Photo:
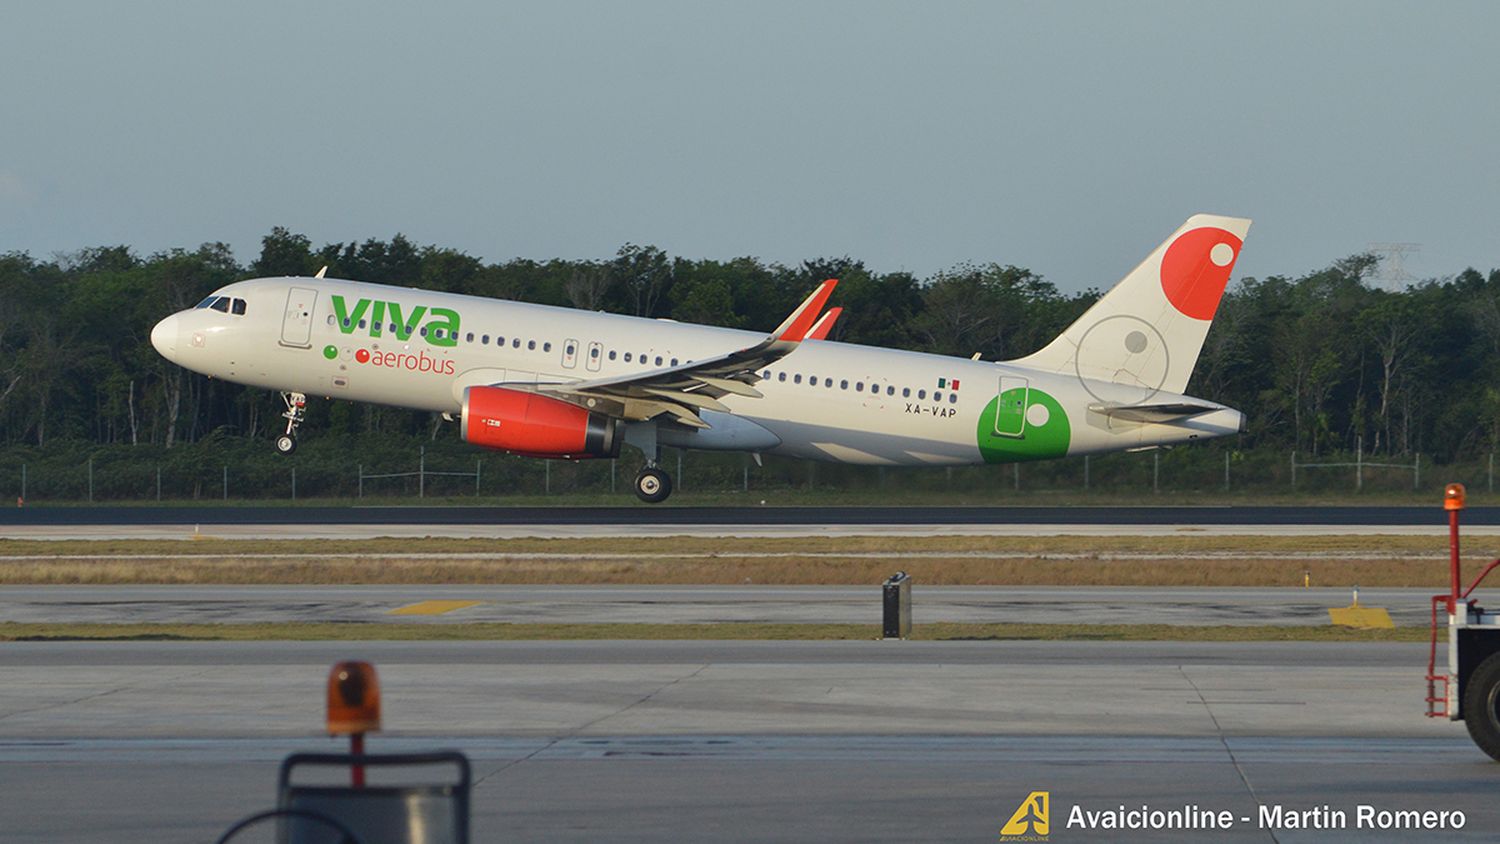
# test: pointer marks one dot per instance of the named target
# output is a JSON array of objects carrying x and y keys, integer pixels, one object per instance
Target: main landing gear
[
  {"x": 653, "y": 485},
  {"x": 296, "y": 409}
]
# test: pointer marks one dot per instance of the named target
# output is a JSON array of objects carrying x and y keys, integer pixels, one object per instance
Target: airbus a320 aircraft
[{"x": 560, "y": 383}]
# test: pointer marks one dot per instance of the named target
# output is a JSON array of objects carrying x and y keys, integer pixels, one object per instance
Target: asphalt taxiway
[
  {"x": 443, "y": 604},
  {"x": 868, "y": 740}
]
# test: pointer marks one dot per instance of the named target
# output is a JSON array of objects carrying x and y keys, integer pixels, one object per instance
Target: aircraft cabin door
[
  {"x": 570, "y": 353},
  {"x": 296, "y": 323},
  {"x": 596, "y": 356},
  {"x": 1010, "y": 410}
]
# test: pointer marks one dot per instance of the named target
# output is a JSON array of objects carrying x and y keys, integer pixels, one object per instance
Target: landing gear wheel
[
  {"x": 653, "y": 485},
  {"x": 1482, "y": 706},
  {"x": 296, "y": 411}
]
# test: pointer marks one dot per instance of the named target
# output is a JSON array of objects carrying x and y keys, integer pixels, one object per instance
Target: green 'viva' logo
[{"x": 392, "y": 316}]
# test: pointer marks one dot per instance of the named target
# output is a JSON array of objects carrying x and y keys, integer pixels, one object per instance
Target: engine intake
[{"x": 536, "y": 426}]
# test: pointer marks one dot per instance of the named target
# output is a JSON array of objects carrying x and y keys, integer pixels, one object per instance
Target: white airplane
[{"x": 561, "y": 383}]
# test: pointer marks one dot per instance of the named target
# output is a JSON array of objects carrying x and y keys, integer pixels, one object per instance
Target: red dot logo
[
  {"x": 1195, "y": 270},
  {"x": 363, "y": 356}
]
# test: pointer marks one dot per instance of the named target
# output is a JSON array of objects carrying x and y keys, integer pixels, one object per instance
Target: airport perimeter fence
[{"x": 375, "y": 468}]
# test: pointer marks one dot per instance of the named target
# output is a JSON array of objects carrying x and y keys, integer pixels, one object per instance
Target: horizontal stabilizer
[{"x": 1169, "y": 412}]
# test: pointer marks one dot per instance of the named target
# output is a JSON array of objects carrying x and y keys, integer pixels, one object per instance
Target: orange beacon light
[
  {"x": 354, "y": 708},
  {"x": 353, "y": 699},
  {"x": 1453, "y": 497}
]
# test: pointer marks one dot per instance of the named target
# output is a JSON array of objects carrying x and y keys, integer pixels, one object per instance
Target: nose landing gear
[
  {"x": 296, "y": 410},
  {"x": 653, "y": 485}
]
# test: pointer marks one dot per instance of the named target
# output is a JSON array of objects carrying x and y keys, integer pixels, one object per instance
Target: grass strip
[
  {"x": 363, "y": 632},
  {"x": 1187, "y": 542}
]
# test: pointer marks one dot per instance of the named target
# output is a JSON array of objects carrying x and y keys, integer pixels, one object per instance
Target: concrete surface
[{"x": 870, "y": 740}]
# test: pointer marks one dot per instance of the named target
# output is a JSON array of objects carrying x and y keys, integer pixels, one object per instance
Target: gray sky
[{"x": 1065, "y": 137}]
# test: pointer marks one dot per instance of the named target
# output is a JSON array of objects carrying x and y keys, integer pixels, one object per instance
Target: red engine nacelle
[{"x": 538, "y": 426}]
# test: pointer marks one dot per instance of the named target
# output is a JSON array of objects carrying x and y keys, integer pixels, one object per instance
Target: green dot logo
[
  {"x": 1021, "y": 425},
  {"x": 330, "y": 352}
]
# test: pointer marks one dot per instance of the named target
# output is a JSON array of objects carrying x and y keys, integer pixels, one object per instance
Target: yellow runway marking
[
  {"x": 1366, "y": 617},
  {"x": 432, "y": 607}
]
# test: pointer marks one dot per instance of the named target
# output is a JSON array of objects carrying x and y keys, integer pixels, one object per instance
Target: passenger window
[
  {"x": 221, "y": 304},
  {"x": 484, "y": 340},
  {"x": 859, "y": 386},
  {"x": 469, "y": 338},
  {"x": 921, "y": 394},
  {"x": 905, "y": 392},
  {"x": 423, "y": 332},
  {"x": 828, "y": 382},
  {"x": 936, "y": 396},
  {"x": 766, "y": 375},
  {"x": 890, "y": 390},
  {"x": 674, "y": 361},
  {"x": 546, "y": 347},
  {"x": 239, "y": 307},
  {"x": 594, "y": 352},
  {"x": 330, "y": 319},
  {"x": 627, "y": 357},
  {"x": 797, "y": 379},
  {"x": 844, "y": 384},
  {"x": 611, "y": 354},
  {"x": 658, "y": 360},
  {"x": 516, "y": 343},
  {"x": 569, "y": 349},
  {"x": 953, "y": 398},
  {"x": 531, "y": 345},
  {"x": 361, "y": 323},
  {"x": 781, "y": 376}
]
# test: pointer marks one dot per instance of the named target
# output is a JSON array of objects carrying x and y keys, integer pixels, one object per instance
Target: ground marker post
[{"x": 896, "y": 606}]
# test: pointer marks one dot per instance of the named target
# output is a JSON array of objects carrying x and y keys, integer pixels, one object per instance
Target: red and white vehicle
[{"x": 1469, "y": 688}]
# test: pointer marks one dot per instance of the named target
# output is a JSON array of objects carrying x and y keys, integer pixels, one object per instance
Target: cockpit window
[
  {"x": 238, "y": 308},
  {"x": 221, "y": 304},
  {"x": 208, "y": 303}
]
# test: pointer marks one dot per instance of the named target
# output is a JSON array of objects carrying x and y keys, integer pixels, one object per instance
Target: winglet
[
  {"x": 796, "y": 326},
  {"x": 322, "y": 271},
  {"x": 820, "y": 329}
]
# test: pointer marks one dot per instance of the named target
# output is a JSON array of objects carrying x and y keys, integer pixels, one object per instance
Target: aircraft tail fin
[{"x": 1143, "y": 336}]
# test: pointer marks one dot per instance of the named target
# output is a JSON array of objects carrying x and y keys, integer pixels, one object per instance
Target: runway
[
  {"x": 753, "y": 520},
  {"x": 159, "y": 604},
  {"x": 584, "y": 741}
]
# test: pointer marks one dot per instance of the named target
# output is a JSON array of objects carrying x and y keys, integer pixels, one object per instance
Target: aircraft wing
[{"x": 680, "y": 392}]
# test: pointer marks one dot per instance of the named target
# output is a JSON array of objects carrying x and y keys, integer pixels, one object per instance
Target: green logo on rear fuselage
[{"x": 1022, "y": 424}]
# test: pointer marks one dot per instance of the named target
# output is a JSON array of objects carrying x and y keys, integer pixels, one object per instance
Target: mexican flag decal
[{"x": 948, "y": 383}]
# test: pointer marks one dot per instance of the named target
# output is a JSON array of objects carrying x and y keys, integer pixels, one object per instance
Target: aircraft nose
[{"x": 164, "y": 336}]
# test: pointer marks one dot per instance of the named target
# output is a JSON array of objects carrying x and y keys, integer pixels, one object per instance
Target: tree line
[{"x": 1318, "y": 362}]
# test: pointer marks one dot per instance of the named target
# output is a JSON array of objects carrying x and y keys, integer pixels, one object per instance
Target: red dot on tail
[
  {"x": 1195, "y": 270},
  {"x": 362, "y": 356}
]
